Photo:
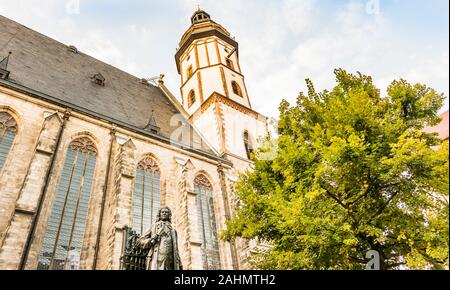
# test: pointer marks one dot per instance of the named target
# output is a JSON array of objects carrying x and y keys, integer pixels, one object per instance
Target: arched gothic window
[
  {"x": 248, "y": 145},
  {"x": 8, "y": 131},
  {"x": 146, "y": 200},
  {"x": 191, "y": 98},
  {"x": 207, "y": 224},
  {"x": 64, "y": 236},
  {"x": 236, "y": 89}
]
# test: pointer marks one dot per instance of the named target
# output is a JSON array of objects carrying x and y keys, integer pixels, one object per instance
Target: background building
[
  {"x": 87, "y": 149},
  {"x": 441, "y": 128}
]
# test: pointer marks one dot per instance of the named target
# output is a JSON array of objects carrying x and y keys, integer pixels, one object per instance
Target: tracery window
[
  {"x": 146, "y": 200},
  {"x": 207, "y": 224},
  {"x": 8, "y": 131},
  {"x": 63, "y": 239}
]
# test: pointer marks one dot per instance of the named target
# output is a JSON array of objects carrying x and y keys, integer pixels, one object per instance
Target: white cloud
[
  {"x": 282, "y": 42},
  {"x": 297, "y": 14},
  {"x": 352, "y": 40}
]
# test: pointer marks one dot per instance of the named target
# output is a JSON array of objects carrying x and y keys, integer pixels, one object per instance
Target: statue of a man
[{"x": 162, "y": 243}]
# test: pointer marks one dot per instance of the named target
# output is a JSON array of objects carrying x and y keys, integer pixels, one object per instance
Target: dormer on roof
[
  {"x": 72, "y": 48},
  {"x": 152, "y": 127},
  {"x": 99, "y": 79},
  {"x": 144, "y": 81}
]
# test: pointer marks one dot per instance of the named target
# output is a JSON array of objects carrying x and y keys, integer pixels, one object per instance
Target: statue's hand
[{"x": 142, "y": 243}]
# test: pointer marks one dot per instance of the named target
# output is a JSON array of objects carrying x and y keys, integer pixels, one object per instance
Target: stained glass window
[
  {"x": 207, "y": 224},
  {"x": 146, "y": 200},
  {"x": 63, "y": 240},
  {"x": 8, "y": 130}
]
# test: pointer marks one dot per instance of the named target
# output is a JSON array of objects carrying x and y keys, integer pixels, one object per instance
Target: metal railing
[{"x": 133, "y": 257}]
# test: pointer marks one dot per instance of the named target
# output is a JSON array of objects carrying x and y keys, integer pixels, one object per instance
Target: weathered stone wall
[
  {"x": 22, "y": 174},
  {"x": 35, "y": 152}
]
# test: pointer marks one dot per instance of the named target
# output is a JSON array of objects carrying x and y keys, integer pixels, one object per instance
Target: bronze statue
[{"x": 162, "y": 244}]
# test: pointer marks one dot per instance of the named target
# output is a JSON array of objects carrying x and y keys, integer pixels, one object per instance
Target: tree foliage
[{"x": 354, "y": 172}]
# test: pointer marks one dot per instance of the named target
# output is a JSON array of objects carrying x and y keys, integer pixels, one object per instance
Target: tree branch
[
  {"x": 390, "y": 184},
  {"x": 390, "y": 266},
  {"x": 337, "y": 199},
  {"x": 359, "y": 198},
  {"x": 384, "y": 206},
  {"x": 346, "y": 207},
  {"x": 362, "y": 261}
]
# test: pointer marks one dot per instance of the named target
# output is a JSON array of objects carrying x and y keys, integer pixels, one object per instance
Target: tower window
[
  {"x": 248, "y": 145},
  {"x": 230, "y": 63},
  {"x": 190, "y": 72},
  {"x": 236, "y": 89},
  {"x": 191, "y": 98}
]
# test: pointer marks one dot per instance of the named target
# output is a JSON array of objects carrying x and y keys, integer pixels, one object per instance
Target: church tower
[{"x": 213, "y": 89}]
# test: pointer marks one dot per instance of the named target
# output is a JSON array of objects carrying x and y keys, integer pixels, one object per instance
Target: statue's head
[{"x": 165, "y": 214}]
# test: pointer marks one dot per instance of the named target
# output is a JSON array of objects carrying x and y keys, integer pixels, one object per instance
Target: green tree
[{"x": 354, "y": 172}]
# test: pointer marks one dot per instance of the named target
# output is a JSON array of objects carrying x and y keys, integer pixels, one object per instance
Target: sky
[{"x": 281, "y": 42}]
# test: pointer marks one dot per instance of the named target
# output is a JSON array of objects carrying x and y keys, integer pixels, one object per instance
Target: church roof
[{"x": 71, "y": 77}]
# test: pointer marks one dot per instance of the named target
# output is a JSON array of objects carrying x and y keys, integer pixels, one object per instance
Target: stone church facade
[{"x": 87, "y": 150}]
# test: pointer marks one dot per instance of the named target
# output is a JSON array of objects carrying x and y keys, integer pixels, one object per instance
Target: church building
[{"x": 88, "y": 151}]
